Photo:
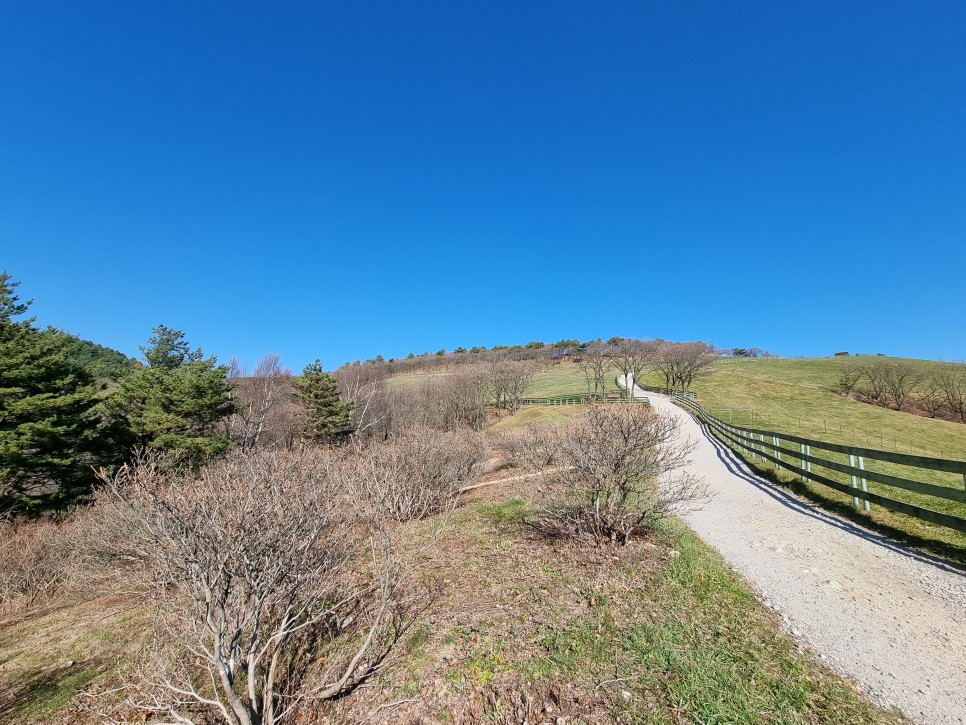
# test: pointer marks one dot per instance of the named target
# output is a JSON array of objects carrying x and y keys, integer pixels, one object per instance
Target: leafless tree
[
  {"x": 461, "y": 398},
  {"x": 263, "y": 409},
  {"x": 365, "y": 387},
  {"x": 681, "y": 363},
  {"x": 931, "y": 396},
  {"x": 253, "y": 565},
  {"x": 874, "y": 376},
  {"x": 619, "y": 462},
  {"x": 594, "y": 363},
  {"x": 507, "y": 381},
  {"x": 951, "y": 379},
  {"x": 900, "y": 380},
  {"x": 633, "y": 357},
  {"x": 851, "y": 375}
]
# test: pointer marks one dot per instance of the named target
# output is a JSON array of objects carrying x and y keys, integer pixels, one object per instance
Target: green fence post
[
  {"x": 864, "y": 485},
  {"x": 852, "y": 481}
]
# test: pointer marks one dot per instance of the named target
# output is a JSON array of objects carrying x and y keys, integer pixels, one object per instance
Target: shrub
[
  {"x": 418, "y": 472},
  {"x": 257, "y": 565},
  {"x": 619, "y": 463}
]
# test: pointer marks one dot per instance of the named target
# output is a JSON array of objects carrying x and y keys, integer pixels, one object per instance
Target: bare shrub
[
  {"x": 534, "y": 447},
  {"x": 417, "y": 472},
  {"x": 620, "y": 459},
  {"x": 255, "y": 563},
  {"x": 86, "y": 553},
  {"x": 35, "y": 560}
]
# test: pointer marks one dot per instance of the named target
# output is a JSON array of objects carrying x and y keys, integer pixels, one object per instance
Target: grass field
[
  {"x": 660, "y": 632},
  {"x": 797, "y": 396}
]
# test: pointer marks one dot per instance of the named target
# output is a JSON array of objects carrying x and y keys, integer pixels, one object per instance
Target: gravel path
[{"x": 890, "y": 619}]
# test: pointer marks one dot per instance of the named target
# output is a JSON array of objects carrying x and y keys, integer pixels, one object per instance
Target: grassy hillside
[{"x": 797, "y": 396}]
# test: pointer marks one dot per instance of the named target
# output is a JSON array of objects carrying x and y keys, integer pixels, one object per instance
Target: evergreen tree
[
  {"x": 47, "y": 426},
  {"x": 326, "y": 416},
  {"x": 176, "y": 402}
]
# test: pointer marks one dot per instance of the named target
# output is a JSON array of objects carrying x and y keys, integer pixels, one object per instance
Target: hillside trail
[{"x": 891, "y": 619}]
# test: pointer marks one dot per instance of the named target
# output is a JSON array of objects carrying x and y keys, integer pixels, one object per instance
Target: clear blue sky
[{"x": 340, "y": 179}]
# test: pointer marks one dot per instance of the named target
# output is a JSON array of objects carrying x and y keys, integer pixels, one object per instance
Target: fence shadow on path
[{"x": 737, "y": 467}]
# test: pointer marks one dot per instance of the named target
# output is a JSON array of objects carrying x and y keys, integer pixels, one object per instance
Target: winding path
[{"x": 891, "y": 619}]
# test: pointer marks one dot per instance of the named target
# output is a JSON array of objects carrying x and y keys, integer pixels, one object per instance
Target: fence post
[
  {"x": 803, "y": 462},
  {"x": 864, "y": 485},
  {"x": 808, "y": 464},
  {"x": 778, "y": 452},
  {"x": 852, "y": 481}
]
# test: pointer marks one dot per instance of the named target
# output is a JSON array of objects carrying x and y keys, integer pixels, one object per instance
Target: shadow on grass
[
  {"x": 941, "y": 555},
  {"x": 45, "y": 692}
]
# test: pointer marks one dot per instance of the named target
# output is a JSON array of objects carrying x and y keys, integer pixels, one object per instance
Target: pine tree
[
  {"x": 326, "y": 416},
  {"x": 48, "y": 429},
  {"x": 176, "y": 402}
]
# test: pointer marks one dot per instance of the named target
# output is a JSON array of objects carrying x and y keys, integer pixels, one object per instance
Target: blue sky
[{"x": 340, "y": 179}]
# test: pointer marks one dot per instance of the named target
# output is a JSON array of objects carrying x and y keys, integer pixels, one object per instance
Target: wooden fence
[
  {"x": 783, "y": 448},
  {"x": 580, "y": 399}
]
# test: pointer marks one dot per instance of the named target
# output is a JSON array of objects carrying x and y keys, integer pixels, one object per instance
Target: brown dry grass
[{"x": 49, "y": 654}]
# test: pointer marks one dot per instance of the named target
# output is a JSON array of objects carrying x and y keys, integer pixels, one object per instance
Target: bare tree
[
  {"x": 681, "y": 363},
  {"x": 594, "y": 363},
  {"x": 900, "y": 381},
  {"x": 851, "y": 375},
  {"x": 365, "y": 387},
  {"x": 618, "y": 461},
  {"x": 634, "y": 357},
  {"x": 951, "y": 379},
  {"x": 251, "y": 565},
  {"x": 461, "y": 398},
  {"x": 931, "y": 396},
  {"x": 262, "y": 403},
  {"x": 874, "y": 374}
]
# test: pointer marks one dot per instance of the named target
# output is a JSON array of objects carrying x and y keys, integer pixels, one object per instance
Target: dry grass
[
  {"x": 659, "y": 631},
  {"x": 48, "y": 655}
]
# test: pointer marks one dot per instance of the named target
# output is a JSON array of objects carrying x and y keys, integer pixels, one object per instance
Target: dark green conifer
[
  {"x": 326, "y": 416},
  {"x": 177, "y": 402},
  {"x": 47, "y": 424}
]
